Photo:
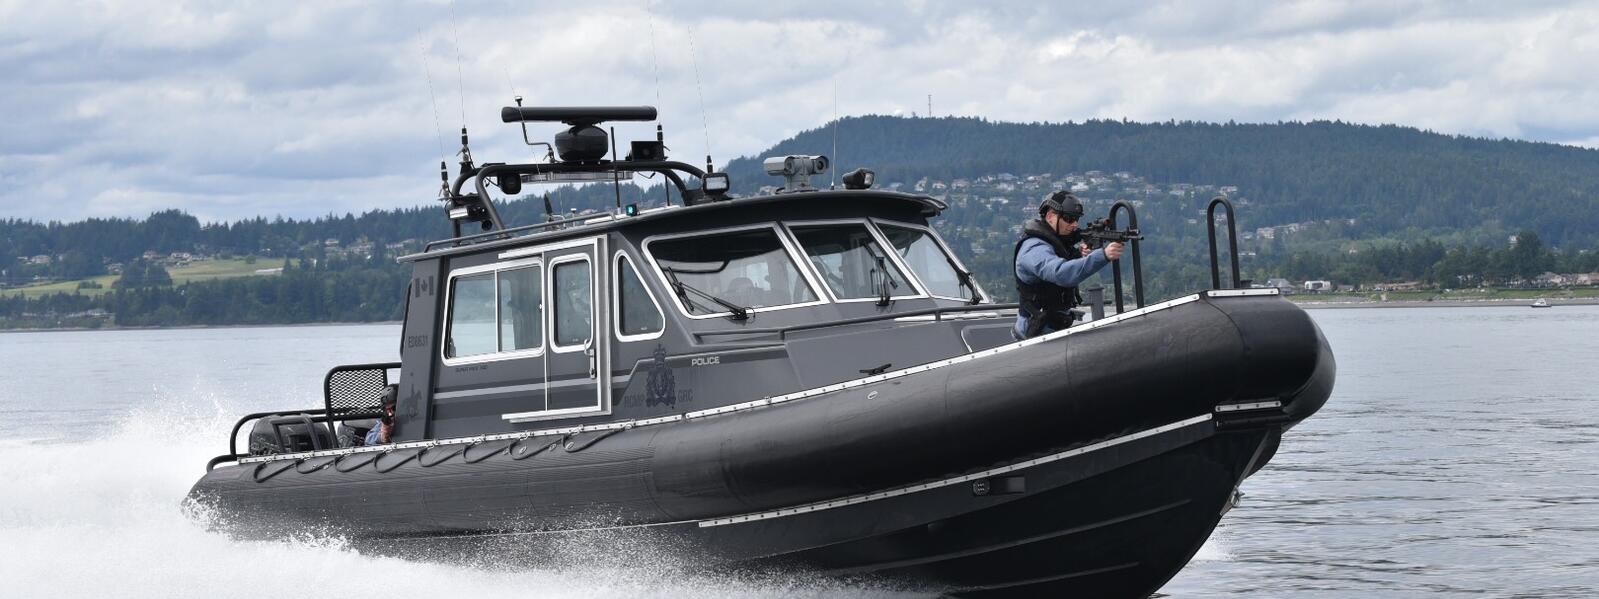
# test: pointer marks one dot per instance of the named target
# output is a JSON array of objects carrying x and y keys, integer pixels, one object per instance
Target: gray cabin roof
[{"x": 668, "y": 216}]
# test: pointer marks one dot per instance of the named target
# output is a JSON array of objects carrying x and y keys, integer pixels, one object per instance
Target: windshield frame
[
  {"x": 950, "y": 255},
  {"x": 920, "y": 290},
  {"x": 794, "y": 255}
]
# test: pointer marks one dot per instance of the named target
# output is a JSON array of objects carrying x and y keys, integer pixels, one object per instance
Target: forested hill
[
  {"x": 1390, "y": 178},
  {"x": 1359, "y": 206}
]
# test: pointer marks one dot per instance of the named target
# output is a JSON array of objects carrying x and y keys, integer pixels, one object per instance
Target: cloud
[{"x": 232, "y": 110}]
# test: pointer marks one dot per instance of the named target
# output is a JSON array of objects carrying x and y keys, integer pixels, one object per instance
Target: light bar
[{"x": 576, "y": 177}]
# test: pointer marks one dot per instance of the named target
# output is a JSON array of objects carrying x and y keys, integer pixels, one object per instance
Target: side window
[
  {"x": 574, "y": 306},
  {"x": 471, "y": 316},
  {"x": 637, "y": 313},
  {"x": 499, "y": 311},
  {"x": 521, "y": 309}
]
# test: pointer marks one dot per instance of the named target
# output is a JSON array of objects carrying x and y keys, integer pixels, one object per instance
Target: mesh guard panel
[{"x": 356, "y": 391}]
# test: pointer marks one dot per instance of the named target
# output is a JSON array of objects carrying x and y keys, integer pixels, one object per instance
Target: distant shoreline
[
  {"x": 197, "y": 326},
  {"x": 1482, "y": 303}
]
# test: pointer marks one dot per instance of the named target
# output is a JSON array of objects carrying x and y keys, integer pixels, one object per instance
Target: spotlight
[{"x": 859, "y": 179}]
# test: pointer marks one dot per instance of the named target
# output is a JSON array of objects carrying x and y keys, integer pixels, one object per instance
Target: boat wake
[{"x": 84, "y": 517}]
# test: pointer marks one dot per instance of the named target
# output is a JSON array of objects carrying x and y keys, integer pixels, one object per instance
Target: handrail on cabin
[{"x": 782, "y": 332}]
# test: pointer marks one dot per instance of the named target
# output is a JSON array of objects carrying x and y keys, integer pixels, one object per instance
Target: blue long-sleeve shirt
[
  {"x": 1037, "y": 262},
  {"x": 375, "y": 436}
]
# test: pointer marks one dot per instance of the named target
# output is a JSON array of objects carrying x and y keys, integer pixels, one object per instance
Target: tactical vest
[{"x": 1045, "y": 303}]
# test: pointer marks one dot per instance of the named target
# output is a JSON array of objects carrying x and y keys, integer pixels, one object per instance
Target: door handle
[{"x": 588, "y": 350}]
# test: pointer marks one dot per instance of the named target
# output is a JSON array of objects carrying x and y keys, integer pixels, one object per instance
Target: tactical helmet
[{"x": 1063, "y": 202}]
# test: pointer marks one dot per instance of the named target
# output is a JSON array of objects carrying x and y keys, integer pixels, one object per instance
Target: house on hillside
[
  {"x": 1404, "y": 286},
  {"x": 1550, "y": 279},
  {"x": 1588, "y": 278},
  {"x": 1318, "y": 286},
  {"x": 1283, "y": 285}
]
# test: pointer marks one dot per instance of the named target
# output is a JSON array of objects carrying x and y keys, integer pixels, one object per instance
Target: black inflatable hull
[{"x": 1095, "y": 461}]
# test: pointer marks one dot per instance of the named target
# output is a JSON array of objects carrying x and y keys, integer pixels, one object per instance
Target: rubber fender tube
[
  {"x": 497, "y": 448},
  {"x": 344, "y": 463},
  {"x": 527, "y": 448},
  {"x": 421, "y": 456},
  {"x": 265, "y": 471},
  {"x": 406, "y": 456},
  {"x": 314, "y": 464},
  {"x": 573, "y": 445}
]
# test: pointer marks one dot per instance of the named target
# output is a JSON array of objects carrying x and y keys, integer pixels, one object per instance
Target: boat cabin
[
  {"x": 680, "y": 308},
  {"x": 634, "y": 314}
]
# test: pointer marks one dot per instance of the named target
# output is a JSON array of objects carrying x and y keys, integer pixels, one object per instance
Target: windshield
[
  {"x": 924, "y": 255},
  {"x": 745, "y": 268},
  {"x": 851, "y": 261}
]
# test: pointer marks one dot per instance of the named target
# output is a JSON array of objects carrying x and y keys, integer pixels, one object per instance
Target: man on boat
[
  {"x": 1049, "y": 266},
  {"x": 384, "y": 431}
]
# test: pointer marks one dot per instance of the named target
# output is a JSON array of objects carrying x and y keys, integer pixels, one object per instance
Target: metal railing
[{"x": 1232, "y": 242}]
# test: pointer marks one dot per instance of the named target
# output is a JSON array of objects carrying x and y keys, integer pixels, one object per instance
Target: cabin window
[
  {"x": 638, "y": 316},
  {"x": 521, "y": 313},
  {"x": 926, "y": 257},
  {"x": 852, "y": 263},
  {"x": 749, "y": 269},
  {"x": 574, "y": 305},
  {"x": 472, "y": 316},
  {"x": 496, "y": 311}
]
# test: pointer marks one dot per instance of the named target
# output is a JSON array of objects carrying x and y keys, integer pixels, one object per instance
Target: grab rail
[
  {"x": 782, "y": 332},
  {"x": 329, "y": 413},
  {"x": 1232, "y": 242},
  {"x": 1116, "y": 270}
]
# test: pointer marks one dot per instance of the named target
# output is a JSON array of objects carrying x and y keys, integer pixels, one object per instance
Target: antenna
[
  {"x": 704, "y": 120},
  {"x": 655, "y": 62},
  {"x": 616, "y": 177},
  {"x": 460, "y": 80},
  {"x": 835, "y": 131},
  {"x": 929, "y": 105},
  {"x": 438, "y": 127},
  {"x": 655, "y": 67},
  {"x": 549, "y": 150}
]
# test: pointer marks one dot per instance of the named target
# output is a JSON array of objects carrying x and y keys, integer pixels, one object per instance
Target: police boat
[{"x": 806, "y": 379}]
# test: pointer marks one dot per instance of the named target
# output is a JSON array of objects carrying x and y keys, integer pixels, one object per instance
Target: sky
[{"x": 230, "y": 110}]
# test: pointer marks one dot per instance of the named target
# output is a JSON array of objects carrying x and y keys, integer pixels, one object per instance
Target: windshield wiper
[
  {"x": 888, "y": 284},
  {"x": 966, "y": 281},
  {"x": 683, "y": 289}
]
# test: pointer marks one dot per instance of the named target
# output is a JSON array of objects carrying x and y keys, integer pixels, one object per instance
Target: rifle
[{"x": 1097, "y": 233}]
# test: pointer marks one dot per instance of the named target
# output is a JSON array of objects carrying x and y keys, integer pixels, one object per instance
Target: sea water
[{"x": 1459, "y": 454}]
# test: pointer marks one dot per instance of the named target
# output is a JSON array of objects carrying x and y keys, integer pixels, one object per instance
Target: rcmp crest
[{"x": 661, "y": 388}]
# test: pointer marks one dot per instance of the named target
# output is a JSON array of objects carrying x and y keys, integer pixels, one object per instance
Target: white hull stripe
[
  {"x": 798, "y": 395},
  {"x": 859, "y": 499}
]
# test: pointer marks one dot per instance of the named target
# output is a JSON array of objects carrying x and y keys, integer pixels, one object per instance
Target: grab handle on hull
[
  {"x": 1232, "y": 242},
  {"x": 1116, "y": 267}
]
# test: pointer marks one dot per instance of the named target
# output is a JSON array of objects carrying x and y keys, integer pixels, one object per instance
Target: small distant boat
[{"x": 1540, "y": 303}]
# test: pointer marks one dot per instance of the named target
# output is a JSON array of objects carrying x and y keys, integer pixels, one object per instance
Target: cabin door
[{"x": 578, "y": 353}]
